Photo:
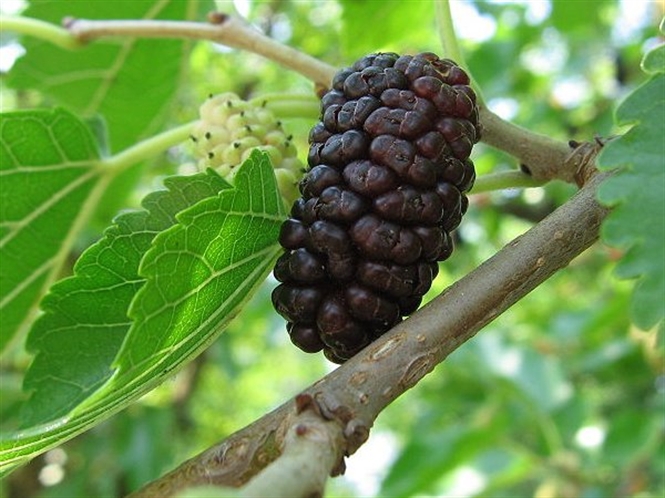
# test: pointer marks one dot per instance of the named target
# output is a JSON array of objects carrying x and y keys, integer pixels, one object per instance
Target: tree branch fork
[{"x": 292, "y": 450}]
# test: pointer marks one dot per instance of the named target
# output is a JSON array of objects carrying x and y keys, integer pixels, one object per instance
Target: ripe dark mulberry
[{"x": 388, "y": 172}]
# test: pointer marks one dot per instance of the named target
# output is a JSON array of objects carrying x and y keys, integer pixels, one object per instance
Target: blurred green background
[{"x": 559, "y": 397}]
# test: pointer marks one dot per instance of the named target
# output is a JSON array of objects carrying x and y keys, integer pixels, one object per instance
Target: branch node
[
  {"x": 331, "y": 408},
  {"x": 217, "y": 17},
  {"x": 68, "y": 22},
  {"x": 303, "y": 402},
  {"x": 301, "y": 430},
  {"x": 582, "y": 159},
  {"x": 356, "y": 433},
  {"x": 339, "y": 468}
]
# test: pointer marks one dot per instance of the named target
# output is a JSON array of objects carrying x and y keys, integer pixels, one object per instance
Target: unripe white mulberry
[{"x": 231, "y": 128}]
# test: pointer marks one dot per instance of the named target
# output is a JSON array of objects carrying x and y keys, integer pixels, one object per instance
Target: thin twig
[
  {"x": 542, "y": 155},
  {"x": 224, "y": 29},
  {"x": 39, "y": 29},
  {"x": 504, "y": 180},
  {"x": 356, "y": 392},
  {"x": 545, "y": 158}
]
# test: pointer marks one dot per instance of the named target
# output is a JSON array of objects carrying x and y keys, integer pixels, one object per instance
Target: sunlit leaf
[
  {"x": 579, "y": 16},
  {"x": 201, "y": 271},
  {"x": 131, "y": 82},
  {"x": 85, "y": 316}
]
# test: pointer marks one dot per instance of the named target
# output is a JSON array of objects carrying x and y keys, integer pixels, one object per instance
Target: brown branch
[{"x": 354, "y": 394}]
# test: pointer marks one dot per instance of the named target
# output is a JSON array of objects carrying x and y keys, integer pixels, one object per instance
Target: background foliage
[{"x": 562, "y": 396}]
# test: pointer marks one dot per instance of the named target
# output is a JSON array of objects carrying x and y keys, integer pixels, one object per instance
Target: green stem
[
  {"x": 39, "y": 29},
  {"x": 148, "y": 148},
  {"x": 309, "y": 110},
  {"x": 450, "y": 43},
  {"x": 278, "y": 96},
  {"x": 545, "y": 157},
  {"x": 504, "y": 180},
  {"x": 290, "y": 105}
]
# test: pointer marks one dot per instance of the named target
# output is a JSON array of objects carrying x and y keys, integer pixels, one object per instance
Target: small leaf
[
  {"x": 538, "y": 377},
  {"x": 431, "y": 452},
  {"x": 85, "y": 316},
  {"x": 49, "y": 176},
  {"x": 637, "y": 193},
  {"x": 198, "y": 274}
]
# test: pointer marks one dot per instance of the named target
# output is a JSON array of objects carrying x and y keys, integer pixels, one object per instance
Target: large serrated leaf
[
  {"x": 198, "y": 274},
  {"x": 49, "y": 178},
  {"x": 637, "y": 192},
  {"x": 85, "y": 316},
  {"x": 130, "y": 81},
  {"x": 201, "y": 271}
]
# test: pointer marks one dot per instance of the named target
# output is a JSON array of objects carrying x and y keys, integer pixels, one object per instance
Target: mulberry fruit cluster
[
  {"x": 230, "y": 128},
  {"x": 388, "y": 171}
]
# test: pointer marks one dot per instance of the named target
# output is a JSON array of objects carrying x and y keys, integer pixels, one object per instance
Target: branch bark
[{"x": 355, "y": 393}]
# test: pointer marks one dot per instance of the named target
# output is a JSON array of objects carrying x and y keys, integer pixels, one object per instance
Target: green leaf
[
  {"x": 630, "y": 435},
  {"x": 85, "y": 316},
  {"x": 431, "y": 453},
  {"x": 637, "y": 193},
  {"x": 198, "y": 275},
  {"x": 654, "y": 61},
  {"x": 130, "y": 81},
  {"x": 538, "y": 377},
  {"x": 50, "y": 178}
]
